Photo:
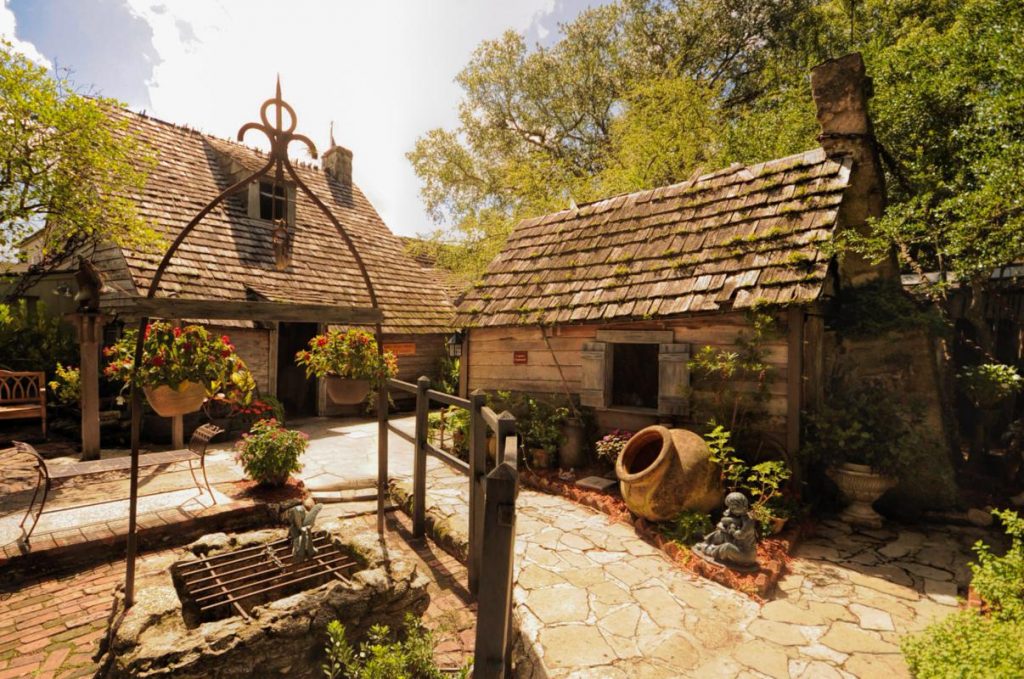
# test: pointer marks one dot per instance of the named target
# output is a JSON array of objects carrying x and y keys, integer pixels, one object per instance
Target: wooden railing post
[
  {"x": 382, "y": 452},
  {"x": 506, "y": 427},
  {"x": 419, "y": 467},
  {"x": 494, "y": 608},
  {"x": 477, "y": 471}
]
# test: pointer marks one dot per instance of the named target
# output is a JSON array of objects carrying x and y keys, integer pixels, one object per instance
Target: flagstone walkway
[{"x": 593, "y": 600}]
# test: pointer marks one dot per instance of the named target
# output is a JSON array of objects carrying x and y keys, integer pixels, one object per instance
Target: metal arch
[{"x": 280, "y": 138}]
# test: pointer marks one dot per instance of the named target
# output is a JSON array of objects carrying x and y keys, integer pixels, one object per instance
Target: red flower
[
  {"x": 225, "y": 353},
  {"x": 149, "y": 326},
  {"x": 321, "y": 341},
  {"x": 177, "y": 332},
  {"x": 157, "y": 361},
  {"x": 225, "y": 339}
]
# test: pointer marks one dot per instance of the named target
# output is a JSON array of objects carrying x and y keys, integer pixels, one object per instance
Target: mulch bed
[
  {"x": 293, "y": 489},
  {"x": 772, "y": 553}
]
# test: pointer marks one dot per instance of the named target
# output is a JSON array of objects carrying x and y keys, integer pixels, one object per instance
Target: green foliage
[
  {"x": 34, "y": 343},
  {"x": 348, "y": 354},
  {"x": 383, "y": 657},
  {"x": 761, "y": 483},
  {"x": 172, "y": 355},
  {"x": 539, "y": 422},
  {"x": 269, "y": 452},
  {"x": 721, "y": 379},
  {"x": 67, "y": 161},
  {"x": 989, "y": 384},
  {"x": 687, "y": 528},
  {"x": 880, "y": 307},
  {"x": 66, "y": 387},
  {"x": 865, "y": 423},
  {"x": 611, "y": 444},
  {"x": 450, "y": 429},
  {"x": 449, "y": 373},
  {"x": 975, "y": 645}
]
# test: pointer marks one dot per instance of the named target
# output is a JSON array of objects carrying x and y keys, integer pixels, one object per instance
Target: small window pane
[{"x": 273, "y": 201}]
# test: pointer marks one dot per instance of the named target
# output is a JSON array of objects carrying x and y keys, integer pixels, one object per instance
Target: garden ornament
[
  {"x": 733, "y": 543},
  {"x": 300, "y": 531}
]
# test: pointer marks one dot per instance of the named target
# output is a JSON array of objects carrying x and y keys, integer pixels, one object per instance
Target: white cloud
[
  {"x": 8, "y": 27},
  {"x": 382, "y": 71}
]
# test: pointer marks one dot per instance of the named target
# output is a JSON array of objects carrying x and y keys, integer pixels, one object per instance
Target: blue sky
[{"x": 382, "y": 71}]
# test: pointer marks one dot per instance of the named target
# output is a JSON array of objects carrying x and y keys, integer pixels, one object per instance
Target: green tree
[{"x": 66, "y": 164}]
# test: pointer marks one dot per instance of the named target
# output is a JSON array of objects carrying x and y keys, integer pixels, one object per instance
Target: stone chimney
[
  {"x": 337, "y": 162},
  {"x": 841, "y": 90}
]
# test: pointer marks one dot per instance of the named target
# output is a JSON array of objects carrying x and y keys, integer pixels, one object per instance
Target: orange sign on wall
[
  {"x": 401, "y": 348},
  {"x": 520, "y": 357}
]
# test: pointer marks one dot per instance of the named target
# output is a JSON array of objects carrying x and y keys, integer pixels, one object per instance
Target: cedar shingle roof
[
  {"x": 728, "y": 239},
  {"x": 229, "y": 256}
]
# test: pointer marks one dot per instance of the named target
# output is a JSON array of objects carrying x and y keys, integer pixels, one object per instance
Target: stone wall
[{"x": 284, "y": 638}]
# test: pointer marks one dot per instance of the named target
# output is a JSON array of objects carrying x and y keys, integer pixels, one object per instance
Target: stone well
[{"x": 280, "y": 638}]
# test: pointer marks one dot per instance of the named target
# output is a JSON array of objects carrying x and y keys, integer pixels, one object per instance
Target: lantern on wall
[{"x": 454, "y": 344}]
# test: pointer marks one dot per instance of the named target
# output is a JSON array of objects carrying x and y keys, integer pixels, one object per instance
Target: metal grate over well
[{"x": 231, "y": 583}]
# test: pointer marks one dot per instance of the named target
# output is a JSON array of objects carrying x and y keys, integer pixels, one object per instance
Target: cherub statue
[
  {"x": 733, "y": 543},
  {"x": 300, "y": 531}
]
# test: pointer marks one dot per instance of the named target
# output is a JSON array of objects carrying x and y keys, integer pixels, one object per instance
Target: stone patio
[{"x": 593, "y": 600}]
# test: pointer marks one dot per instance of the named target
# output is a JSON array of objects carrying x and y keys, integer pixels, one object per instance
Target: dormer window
[{"x": 273, "y": 201}]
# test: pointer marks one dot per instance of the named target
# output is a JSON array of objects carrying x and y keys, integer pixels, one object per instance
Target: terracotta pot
[
  {"x": 346, "y": 392},
  {"x": 571, "y": 454},
  {"x": 778, "y": 524},
  {"x": 861, "y": 486},
  {"x": 540, "y": 458},
  {"x": 663, "y": 472},
  {"x": 169, "y": 402}
]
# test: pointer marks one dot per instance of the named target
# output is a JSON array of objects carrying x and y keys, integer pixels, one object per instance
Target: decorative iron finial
[
  {"x": 278, "y": 135},
  {"x": 331, "y": 133}
]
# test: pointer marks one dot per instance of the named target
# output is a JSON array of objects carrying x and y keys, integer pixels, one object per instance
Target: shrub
[
  {"x": 348, "y": 354},
  {"x": 34, "y": 343},
  {"x": 610, "y": 446},
  {"x": 66, "y": 387},
  {"x": 687, "y": 528},
  {"x": 269, "y": 452},
  {"x": 988, "y": 384},
  {"x": 172, "y": 355},
  {"x": 383, "y": 657},
  {"x": 762, "y": 483},
  {"x": 971, "y": 644}
]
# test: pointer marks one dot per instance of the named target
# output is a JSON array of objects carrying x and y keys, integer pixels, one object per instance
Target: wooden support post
[
  {"x": 178, "y": 432},
  {"x": 89, "y": 328},
  {"x": 794, "y": 377},
  {"x": 494, "y": 608},
  {"x": 477, "y": 471},
  {"x": 419, "y": 469},
  {"x": 382, "y": 452}
]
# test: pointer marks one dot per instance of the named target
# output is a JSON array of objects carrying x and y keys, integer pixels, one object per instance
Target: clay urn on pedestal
[
  {"x": 663, "y": 472},
  {"x": 862, "y": 487}
]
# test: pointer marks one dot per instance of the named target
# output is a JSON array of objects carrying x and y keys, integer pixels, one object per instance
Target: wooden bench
[
  {"x": 23, "y": 396},
  {"x": 51, "y": 475}
]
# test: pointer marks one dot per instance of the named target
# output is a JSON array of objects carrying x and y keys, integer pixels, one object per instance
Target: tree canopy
[
  {"x": 642, "y": 93},
  {"x": 65, "y": 164}
]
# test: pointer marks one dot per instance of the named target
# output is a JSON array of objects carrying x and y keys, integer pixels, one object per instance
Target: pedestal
[{"x": 89, "y": 331}]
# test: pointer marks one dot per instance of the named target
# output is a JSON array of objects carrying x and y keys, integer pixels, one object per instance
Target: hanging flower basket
[
  {"x": 346, "y": 392},
  {"x": 169, "y": 402},
  {"x": 180, "y": 367},
  {"x": 349, "y": 362}
]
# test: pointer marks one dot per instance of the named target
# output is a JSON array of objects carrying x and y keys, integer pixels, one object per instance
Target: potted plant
[
  {"x": 349, "y": 362},
  {"x": 269, "y": 453},
  {"x": 180, "y": 366},
  {"x": 866, "y": 438},
  {"x": 611, "y": 444},
  {"x": 542, "y": 432}
]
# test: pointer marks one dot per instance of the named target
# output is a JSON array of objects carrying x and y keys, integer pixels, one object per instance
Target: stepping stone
[
  {"x": 598, "y": 483},
  {"x": 330, "y": 496},
  {"x": 328, "y": 481}
]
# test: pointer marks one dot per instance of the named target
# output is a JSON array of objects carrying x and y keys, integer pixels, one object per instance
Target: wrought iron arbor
[{"x": 278, "y": 165}]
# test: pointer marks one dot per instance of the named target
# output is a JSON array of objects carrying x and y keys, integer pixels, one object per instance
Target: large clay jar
[{"x": 663, "y": 472}]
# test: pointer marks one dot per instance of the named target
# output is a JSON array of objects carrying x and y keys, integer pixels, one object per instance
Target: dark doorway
[{"x": 296, "y": 392}]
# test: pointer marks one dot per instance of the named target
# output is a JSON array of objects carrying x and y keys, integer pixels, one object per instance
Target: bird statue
[
  {"x": 90, "y": 282},
  {"x": 300, "y": 531}
]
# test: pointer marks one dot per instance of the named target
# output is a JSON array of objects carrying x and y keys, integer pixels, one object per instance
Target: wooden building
[
  {"x": 609, "y": 300},
  {"x": 230, "y": 256}
]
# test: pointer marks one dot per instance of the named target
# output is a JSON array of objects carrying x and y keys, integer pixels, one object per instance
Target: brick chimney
[
  {"x": 337, "y": 162},
  {"x": 841, "y": 90}
]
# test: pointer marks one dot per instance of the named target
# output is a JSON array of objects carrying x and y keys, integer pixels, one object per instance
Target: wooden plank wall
[{"x": 492, "y": 350}]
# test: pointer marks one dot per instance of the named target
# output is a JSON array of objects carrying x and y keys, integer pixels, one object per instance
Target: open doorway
[{"x": 295, "y": 391}]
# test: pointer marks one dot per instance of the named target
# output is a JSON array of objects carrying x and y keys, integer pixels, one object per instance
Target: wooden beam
[
  {"x": 241, "y": 310},
  {"x": 794, "y": 377}
]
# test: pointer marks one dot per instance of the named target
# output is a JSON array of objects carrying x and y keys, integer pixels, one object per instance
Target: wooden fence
[{"x": 491, "y": 512}]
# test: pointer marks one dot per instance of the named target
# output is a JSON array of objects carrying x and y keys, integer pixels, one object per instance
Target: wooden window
[
  {"x": 636, "y": 371},
  {"x": 273, "y": 201}
]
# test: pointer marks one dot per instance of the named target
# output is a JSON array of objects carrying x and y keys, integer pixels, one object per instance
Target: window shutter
[
  {"x": 253, "y": 200},
  {"x": 596, "y": 384},
  {"x": 674, "y": 379}
]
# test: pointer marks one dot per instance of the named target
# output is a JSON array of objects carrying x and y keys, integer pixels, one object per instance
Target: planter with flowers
[
  {"x": 180, "y": 366},
  {"x": 269, "y": 453},
  {"x": 349, "y": 362}
]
